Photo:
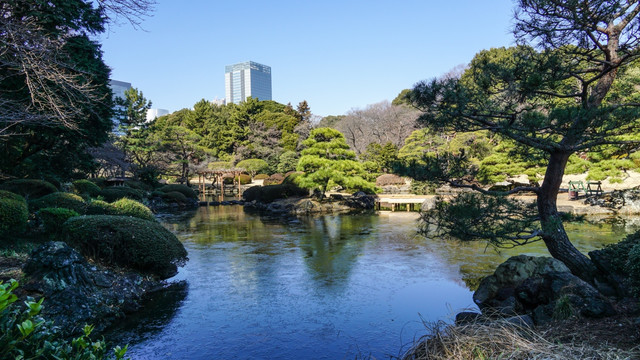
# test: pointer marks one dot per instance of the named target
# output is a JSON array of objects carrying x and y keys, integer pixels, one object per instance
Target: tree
[
  {"x": 132, "y": 110},
  {"x": 377, "y": 123},
  {"x": 253, "y": 166},
  {"x": 327, "y": 161},
  {"x": 551, "y": 95}
]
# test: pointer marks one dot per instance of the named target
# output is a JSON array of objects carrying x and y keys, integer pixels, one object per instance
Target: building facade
[{"x": 247, "y": 79}]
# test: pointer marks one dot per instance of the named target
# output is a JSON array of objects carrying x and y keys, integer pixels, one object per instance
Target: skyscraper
[{"x": 247, "y": 79}]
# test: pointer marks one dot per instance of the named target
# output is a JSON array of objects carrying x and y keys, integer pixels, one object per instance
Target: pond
[{"x": 324, "y": 287}]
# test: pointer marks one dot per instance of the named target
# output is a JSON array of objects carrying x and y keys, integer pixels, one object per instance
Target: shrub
[
  {"x": 98, "y": 207},
  {"x": 4, "y": 194},
  {"x": 29, "y": 188},
  {"x": 274, "y": 179},
  {"x": 60, "y": 200},
  {"x": 423, "y": 187},
  {"x": 126, "y": 241},
  {"x": 625, "y": 257},
  {"x": 26, "y": 335},
  {"x": 244, "y": 179},
  {"x": 633, "y": 269},
  {"x": 138, "y": 185},
  {"x": 81, "y": 187},
  {"x": 13, "y": 214},
  {"x": 389, "y": 179},
  {"x": 175, "y": 197},
  {"x": 184, "y": 189},
  {"x": 290, "y": 177},
  {"x": 267, "y": 194},
  {"x": 128, "y": 207},
  {"x": 53, "y": 218},
  {"x": 113, "y": 193},
  {"x": 261, "y": 177},
  {"x": 101, "y": 182}
]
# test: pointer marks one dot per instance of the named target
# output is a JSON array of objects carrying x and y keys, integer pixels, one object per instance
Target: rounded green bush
[
  {"x": 274, "y": 179},
  {"x": 60, "y": 200},
  {"x": 13, "y": 215},
  {"x": 139, "y": 244},
  {"x": 4, "y": 194},
  {"x": 128, "y": 207},
  {"x": 175, "y": 197},
  {"x": 244, "y": 179},
  {"x": 99, "y": 207},
  {"x": 261, "y": 177},
  {"x": 29, "y": 188},
  {"x": 82, "y": 187},
  {"x": 113, "y": 193},
  {"x": 52, "y": 219},
  {"x": 139, "y": 185},
  {"x": 184, "y": 189}
]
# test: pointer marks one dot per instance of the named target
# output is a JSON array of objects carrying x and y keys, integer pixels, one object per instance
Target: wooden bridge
[{"x": 406, "y": 201}]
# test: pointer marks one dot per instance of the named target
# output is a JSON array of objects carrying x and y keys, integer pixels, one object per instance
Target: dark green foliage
[
  {"x": 126, "y": 241},
  {"x": 60, "y": 200},
  {"x": 87, "y": 187},
  {"x": 114, "y": 193},
  {"x": 29, "y": 188},
  {"x": 626, "y": 257},
  {"x": 267, "y": 194},
  {"x": 175, "y": 197},
  {"x": 52, "y": 219},
  {"x": 27, "y": 335},
  {"x": 185, "y": 190},
  {"x": 13, "y": 215},
  {"x": 292, "y": 177},
  {"x": 128, "y": 207},
  {"x": 4, "y": 194},
  {"x": 138, "y": 185},
  {"x": 98, "y": 207},
  {"x": 423, "y": 187}
]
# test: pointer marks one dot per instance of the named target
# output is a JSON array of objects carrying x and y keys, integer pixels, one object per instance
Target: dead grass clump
[
  {"x": 501, "y": 340},
  {"x": 389, "y": 179}
]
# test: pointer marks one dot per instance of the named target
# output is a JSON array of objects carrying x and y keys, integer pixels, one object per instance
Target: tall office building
[{"x": 247, "y": 79}]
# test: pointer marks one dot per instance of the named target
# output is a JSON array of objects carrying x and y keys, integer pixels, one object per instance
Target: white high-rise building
[{"x": 247, "y": 79}]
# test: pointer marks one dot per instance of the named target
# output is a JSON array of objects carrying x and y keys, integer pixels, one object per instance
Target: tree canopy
[{"x": 553, "y": 95}]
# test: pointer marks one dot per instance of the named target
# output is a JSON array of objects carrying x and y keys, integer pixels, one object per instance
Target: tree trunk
[{"x": 554, "y": 234}]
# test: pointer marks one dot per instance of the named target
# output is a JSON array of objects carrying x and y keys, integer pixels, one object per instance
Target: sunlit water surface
[{"x": 326, "y": 287}]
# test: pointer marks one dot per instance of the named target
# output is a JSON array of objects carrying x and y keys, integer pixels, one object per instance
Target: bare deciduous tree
[{"x": 378, "y": 123}]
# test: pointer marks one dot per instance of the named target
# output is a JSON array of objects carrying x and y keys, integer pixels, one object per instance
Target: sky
[{"x": 337, "y": 55}]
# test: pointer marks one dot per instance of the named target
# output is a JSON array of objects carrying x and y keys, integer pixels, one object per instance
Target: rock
[
  {"x": 77, "y": 293},
  {"x": 428, "y": 204},
  {"x": 520, "y": 320},
  {"x": 467, "y": 317},
  {"x": 526, "y": 285}
]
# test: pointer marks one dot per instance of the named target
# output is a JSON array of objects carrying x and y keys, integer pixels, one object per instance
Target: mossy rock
[
  {"x": 126, "y": 241},
  {"x": 82, "y": 187},
  {"x": 59, "y": 200},
  {"x": 184, "y": 189},
  {"x": 52, "y": 219},
  {"x": 29, "y": 188},
  {"x": 113, "y": 193},
  {"x": 13, "y": 214}
]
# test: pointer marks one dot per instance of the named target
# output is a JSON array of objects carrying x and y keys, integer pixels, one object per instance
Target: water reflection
[{"x": 325, "y": 287}]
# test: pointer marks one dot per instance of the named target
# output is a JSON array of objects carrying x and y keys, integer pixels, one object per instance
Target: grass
[{"x": 501, "y": 340}]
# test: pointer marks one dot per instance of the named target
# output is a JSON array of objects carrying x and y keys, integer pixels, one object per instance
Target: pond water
[{"x": 325, "y": 287}]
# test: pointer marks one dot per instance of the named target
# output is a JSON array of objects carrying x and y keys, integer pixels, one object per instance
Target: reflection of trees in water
[
  {"x": 157, "y": 311},
  {"x": 476, "y": 260},
  {"x": 332, "y": 243}
]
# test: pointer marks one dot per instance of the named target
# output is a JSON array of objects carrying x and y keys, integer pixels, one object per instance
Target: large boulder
[
  {"x": 78, "y": 293},
  {"x": 538, "y": 286}
]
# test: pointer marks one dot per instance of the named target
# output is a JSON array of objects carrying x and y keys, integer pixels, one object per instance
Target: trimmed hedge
[
  {"x": 389, "y": 179},
  {"x": 128, "y": 207},
  {"x": 29, "y": 188},
  {"x": 244, "y": 179},
  {"x": 82, "y": 187},
  {"x": 98, "y": 207},
  {"x": 139, "y": 244},
  {"x": 60, "y": 200},
  {"x": 113, "y": 193},
  {"x": 13, "y": 213},
  {"x": 184, "y": 189},
  {"x": 261, "y": 177},
  {"x": 274, "y": 179},
  {"x": 52, "y": 219},
  {"x": 267, "y": 194},
  {"x": 4, "y": 194},
  {"x": 175, "y": 197}
]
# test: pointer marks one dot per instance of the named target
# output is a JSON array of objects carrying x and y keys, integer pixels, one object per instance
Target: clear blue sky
[{"x": 337, "y": 55}]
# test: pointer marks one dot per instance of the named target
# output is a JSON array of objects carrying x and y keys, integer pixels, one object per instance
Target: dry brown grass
[{"x": 501, "y": 340}]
